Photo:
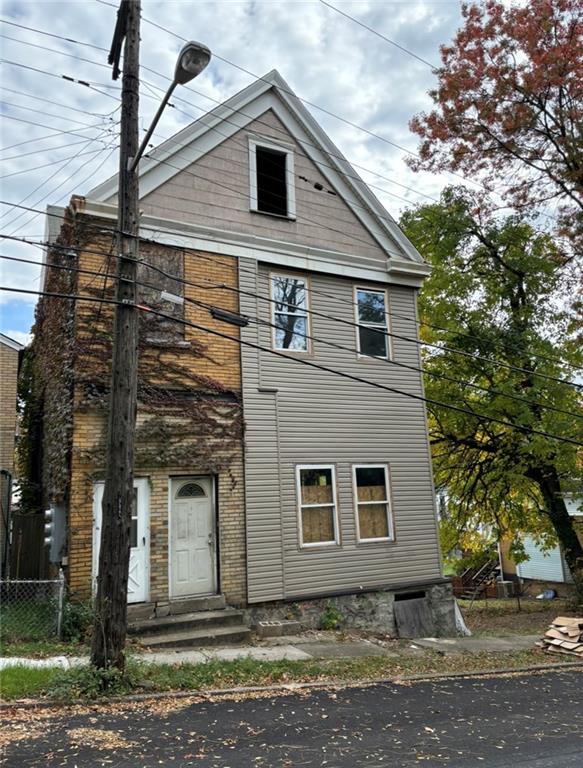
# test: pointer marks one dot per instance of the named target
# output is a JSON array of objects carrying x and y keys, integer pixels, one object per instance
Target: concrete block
[{"x": 278, "y": 628}]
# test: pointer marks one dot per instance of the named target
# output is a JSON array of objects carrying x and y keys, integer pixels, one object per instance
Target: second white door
[{"x": 192, "y": 537}]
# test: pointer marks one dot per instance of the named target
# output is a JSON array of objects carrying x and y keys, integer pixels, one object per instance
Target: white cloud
[{"x": 19, "y": 336}]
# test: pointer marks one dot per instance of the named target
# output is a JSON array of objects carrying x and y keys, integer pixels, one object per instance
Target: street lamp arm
[{"x": 135, "y": 160}]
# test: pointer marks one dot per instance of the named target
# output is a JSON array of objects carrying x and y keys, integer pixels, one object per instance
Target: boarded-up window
[
  {"x": 317, "y": 500},
  {"x": 290, "y": 313},
  {"x": 162, "y": 282},
  {"x": 372, "y": 322},
  {"x": 372, "y": 501}
]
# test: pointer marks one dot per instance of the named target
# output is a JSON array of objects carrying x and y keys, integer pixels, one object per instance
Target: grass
[
  {"x": 22, "y": 682},
  {"x": 83, "y": 683}
]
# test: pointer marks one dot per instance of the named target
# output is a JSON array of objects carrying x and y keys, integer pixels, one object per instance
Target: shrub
[
  {"x": 76, "y": 622},
  {"x": 330, "y": 617},
  {"x": 88, "y": 682}
]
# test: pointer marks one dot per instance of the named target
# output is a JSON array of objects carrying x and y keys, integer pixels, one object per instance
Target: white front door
[
  {"x": 139, "y": 572},
  {"x": 192, "y": 537}
]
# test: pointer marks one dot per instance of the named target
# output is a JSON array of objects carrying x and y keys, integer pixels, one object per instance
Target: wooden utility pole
[{"x": 110, "y": 624}]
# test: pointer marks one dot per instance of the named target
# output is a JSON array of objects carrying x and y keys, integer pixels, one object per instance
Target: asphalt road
[{"x": 533, "y": 721}]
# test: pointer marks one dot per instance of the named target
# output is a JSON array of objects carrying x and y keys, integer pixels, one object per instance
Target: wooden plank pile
[{"x": 565, "y": 635}]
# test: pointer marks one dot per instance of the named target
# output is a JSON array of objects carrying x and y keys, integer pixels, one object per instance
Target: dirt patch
[{"x": 503, "y": 617}]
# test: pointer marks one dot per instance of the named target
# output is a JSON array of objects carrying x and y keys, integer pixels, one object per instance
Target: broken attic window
[{"x": 271, "y": 181}]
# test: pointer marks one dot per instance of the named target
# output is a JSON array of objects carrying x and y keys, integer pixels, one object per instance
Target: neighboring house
[
  {"x": 9, "y": 365},
  {"x": 546, "y": 567},
  {"x": 258, "y": 478}
]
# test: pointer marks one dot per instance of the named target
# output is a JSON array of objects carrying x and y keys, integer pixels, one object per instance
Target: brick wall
[
  {"x": 8, "y": 379},
  {"x": 210, "y": 360}
]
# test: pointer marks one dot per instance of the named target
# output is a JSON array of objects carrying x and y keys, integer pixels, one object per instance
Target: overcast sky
[{"x": 326, "y": 59}]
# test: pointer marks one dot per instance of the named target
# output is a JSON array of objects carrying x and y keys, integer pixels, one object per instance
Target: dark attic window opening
[{"x": 271, "y": 181}]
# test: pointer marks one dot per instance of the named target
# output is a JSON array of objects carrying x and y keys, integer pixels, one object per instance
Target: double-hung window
[
  {"x": 371, "y": 314},
  {"x": 271, "y": 178},
  {"x": 289, "y": 313},
  {"x": 318, "y": 519},
  {"x": 373, "y": 507}
]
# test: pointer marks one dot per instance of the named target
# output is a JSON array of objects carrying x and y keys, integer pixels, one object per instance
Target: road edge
[{"x": 24, "y": 704}]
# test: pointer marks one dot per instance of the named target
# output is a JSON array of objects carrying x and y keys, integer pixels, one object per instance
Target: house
[
  {"x": 545, "y": 568},
  {"x": 281, "y": 463},
  {"x": 9, "y": 364}
]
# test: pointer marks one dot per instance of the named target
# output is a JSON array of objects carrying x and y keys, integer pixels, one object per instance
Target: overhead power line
[
  {"x": 301, "y": 361},
  {"x": 272, "y": 128},
  {"x": 378, "y": 34},
  {"x": 53, "y": 162},
  {"x": 308, "y": 336},
  {"x": 327, "y": 315}
]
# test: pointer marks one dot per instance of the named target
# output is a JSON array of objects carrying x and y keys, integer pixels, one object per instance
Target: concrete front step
[
  {"x": 201, "y": 620},
  {"x": 197, "y": 638},
  {"x": 192, "y": 604}
]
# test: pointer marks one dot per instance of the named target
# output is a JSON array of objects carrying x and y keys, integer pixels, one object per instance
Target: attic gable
[{"x": 272, "y": 94}]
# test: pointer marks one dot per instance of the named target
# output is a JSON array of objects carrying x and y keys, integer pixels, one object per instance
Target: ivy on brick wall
[
  {"x": 185, "y": 420},
  {"x": 45, "y": 389}
]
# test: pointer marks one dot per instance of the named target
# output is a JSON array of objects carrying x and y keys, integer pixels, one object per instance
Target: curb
[{"x": 290, "y": 688}]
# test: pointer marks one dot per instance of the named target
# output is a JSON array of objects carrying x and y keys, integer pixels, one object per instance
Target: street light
[{"x": 192, "y": 59}]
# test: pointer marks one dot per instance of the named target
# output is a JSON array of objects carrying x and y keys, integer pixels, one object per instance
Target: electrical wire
[
  {"x": 59, "y": 170},
  {"x": 301, "y": 361},
  {"x": 46, "y": 165},
  {"x": 340, "y": 157},
  {"x": 64, "y": 181},
  {"x": 327, "y": 315},
  {"x": 378, "y": 34},
  {"x": 103, "y": 116},
  {"x": 308, "y": 336},
  {"x": 258, "y": 120},
  {"x": 46, "y": 114},
  {"x": 439, "y": 346}
]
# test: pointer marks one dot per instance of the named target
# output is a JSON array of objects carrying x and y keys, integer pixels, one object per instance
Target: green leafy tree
[{"x": 500, "y": 292}]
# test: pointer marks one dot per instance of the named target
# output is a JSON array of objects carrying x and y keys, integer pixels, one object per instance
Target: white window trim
[
  {"x": 289, "y": 172},
  {"x": 308, "y": 349},
  {"x": 301, "y": 506},
  {"x": 390, "y": 526},
  {"x": 386, "y": 326}
]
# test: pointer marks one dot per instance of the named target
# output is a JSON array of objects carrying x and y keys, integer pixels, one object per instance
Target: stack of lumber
[{"x": 565, "y": 635}]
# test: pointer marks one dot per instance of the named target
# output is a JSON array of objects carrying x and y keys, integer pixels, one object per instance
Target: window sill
[
  {"x": 319, "y": 545},
  {"x": 293, "y": 352},
  {"x": 286, "y": 217},
  {"x": 375, "y": 541},
  {"x": 372, "y": 358}
]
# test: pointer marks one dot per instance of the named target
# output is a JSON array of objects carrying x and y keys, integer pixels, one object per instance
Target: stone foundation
[{"x": 373, "y": 611}]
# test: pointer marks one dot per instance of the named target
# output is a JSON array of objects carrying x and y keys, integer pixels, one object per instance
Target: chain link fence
[{"x": 31, "y": 610}]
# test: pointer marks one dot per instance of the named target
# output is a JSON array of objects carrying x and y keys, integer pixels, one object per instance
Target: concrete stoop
[{"x": 195, "y": 629}]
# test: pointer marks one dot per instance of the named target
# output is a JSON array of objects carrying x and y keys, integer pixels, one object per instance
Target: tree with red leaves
[{"x": 509, "y": 106}]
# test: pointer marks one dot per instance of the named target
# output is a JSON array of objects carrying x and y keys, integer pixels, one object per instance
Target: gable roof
[{"x": 270, "y": 92}]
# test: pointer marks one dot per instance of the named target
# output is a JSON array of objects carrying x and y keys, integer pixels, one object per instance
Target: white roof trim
[
  {"x": 242, "y": 245},
  {"x": 270, "y": 92},
  {"x": 7, "y": 341}
]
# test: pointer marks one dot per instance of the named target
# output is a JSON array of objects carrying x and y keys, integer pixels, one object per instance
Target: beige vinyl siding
[
  {"x": 214, "y": 192},
  {"x": 318, "y": 418}
]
